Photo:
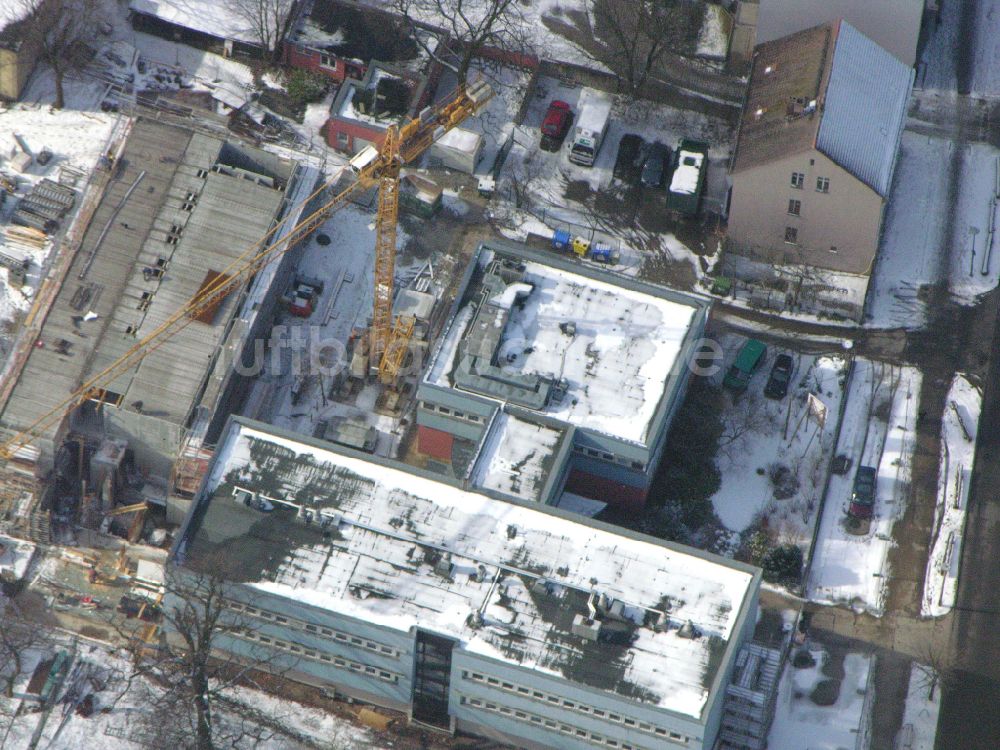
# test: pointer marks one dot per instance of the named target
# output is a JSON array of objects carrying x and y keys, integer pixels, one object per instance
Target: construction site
[{"x": 208, "y": 278}]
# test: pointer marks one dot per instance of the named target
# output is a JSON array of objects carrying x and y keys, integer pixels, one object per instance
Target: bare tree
[
  {"x": 62, "y": 30},
  {"x": 472, "y": 25},
  {"x": 18, "y": 637},
  {"x": 638, "y": 33},
  {"x": 269, "y": 21},
  {"x": 189, "y": 667}
]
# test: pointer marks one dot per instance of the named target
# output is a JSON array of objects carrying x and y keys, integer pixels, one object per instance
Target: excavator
[{"x": 387, "y": 339}]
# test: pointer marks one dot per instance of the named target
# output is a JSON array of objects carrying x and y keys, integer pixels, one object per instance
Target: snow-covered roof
[
  {"x": 829, "y": 88},
  {"x": 865, "y": 109},
  {"x": 611, "y": 347},
  {"x": 11, "y": 13},
  {"x": 461, "y": 140},
  {"x": 217, "y": 18},
  {"x": 517, "y": 457},
  {"x": 685, "y": 179},
  {"x": 15, "y": 556},
  {"x": 375, "y": 540}
]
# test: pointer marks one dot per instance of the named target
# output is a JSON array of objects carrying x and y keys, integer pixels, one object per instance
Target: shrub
[
  {"x": 783, "y": 565},
  {"x": 305, "y": 87}
]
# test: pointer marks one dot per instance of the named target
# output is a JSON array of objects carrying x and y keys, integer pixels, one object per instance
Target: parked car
[
  {"x": 555, "y": 125},
  {"x": 780, "y": 377},
  {"x": 863, "y": 494},
  {"x": 751, "y": 354},
  {"x": 628, "y": 163},
  {"x": 654, "y": 171}
]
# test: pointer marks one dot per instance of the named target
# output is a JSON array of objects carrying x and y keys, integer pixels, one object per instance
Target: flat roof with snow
[
  {"x": 517, "y": 457},
  {"x": 596, "y": 353},
  {"x": 213, "y": 17},
  {"x": 373, "y": 539}
]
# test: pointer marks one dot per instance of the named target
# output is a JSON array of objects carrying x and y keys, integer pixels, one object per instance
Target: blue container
[{"x": 561, "y": 240}]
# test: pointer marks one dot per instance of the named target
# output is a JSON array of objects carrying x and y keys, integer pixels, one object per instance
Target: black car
[
  {"x": 628, "y": 162},
  {"x": 863, "y": 494},
  {"x": 654, "y": 171},
  {"x": 781, "y": 375}
]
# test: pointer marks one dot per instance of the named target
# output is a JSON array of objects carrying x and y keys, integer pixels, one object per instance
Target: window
[
  {"x": 791, "y": 235},
  {"x": 202, "y": 173},
  {"x": 794, "y": 207},
  {"x": 822, "y": 184},
  {"x": 798, "y": 180},
  {"x": 342, "y": 140}
]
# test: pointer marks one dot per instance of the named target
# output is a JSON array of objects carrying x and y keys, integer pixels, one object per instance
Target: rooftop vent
[
  {"x": 443, "y": 567},
  {"x": 688, "y": 630},
  {"x": 586, "y": 627}
]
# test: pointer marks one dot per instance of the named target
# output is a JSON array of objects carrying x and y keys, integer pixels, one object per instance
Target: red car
[{"x": 555, "y": 125}]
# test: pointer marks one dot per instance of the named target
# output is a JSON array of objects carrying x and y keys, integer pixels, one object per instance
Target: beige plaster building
[
  {"x": 18, "y": 54},
  {"x": 816, "y": 150}
]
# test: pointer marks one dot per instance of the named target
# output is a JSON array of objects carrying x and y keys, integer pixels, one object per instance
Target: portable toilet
[
  {"x": 603, "y": 253},
  {"x": 561, "y": 240},
  {"x": 581, "y": 247}
]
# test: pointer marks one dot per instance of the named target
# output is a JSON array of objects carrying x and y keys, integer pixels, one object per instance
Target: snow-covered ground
[
  {"x": 801, "y": 724},
  {"x": 527, "y": 15},
  {"x": 920, "y": 715},
  {"x": 542, "y": 178},
  {"x": 780, "y": 441},
  {"x": 123, "y": 717},
  {"x": 496, "y": 121},
  {"x": 878, "y": 430},
  {"x": 314, "y": 347},
  {"x": 958, "y": 444},
  {"x": 77, "y": 136},
  {"x": 921, "y": 224}
]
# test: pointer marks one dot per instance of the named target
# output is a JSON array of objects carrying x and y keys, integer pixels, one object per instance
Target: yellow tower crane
[{"x": 388, "y": 339}]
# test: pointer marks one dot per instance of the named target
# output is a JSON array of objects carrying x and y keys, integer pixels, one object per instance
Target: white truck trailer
[{"x": 593, "y": 115}]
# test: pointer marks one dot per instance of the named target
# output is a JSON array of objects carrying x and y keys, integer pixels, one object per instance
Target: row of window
[
  {"x": 320, "y": 656},
  {"x": 454, "y": 413},
  {"x": 308, "y": 627},
  {"x": 593, "y": 453},
  {"x": 550, "y": 724},
  {"x": 822, "y": 183},
  {"x": 557, "y": 700}
]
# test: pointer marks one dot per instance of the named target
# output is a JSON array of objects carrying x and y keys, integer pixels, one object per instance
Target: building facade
[
  {"x": 608, "y": 368},
  {"x": 527, "y": 626},
  {"x": 18, "y": 55},
  {"x": 816, "y": 151}
]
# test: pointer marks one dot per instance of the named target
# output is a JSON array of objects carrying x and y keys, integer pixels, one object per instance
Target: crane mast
[{"x": 388, "y": 339}]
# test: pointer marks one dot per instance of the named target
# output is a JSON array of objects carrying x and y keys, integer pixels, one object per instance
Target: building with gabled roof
[
  {"x": 498, "y": 618},
  {"x": 816, "y": 150}
]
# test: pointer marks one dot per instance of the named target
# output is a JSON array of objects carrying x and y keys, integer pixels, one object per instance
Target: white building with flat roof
[{"x": 468, "y": 612}]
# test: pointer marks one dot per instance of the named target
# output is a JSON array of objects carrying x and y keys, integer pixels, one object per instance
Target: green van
[{"x": 749, "y": 358}]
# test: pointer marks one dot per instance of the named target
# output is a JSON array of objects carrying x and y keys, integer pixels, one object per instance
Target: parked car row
[{"x": 749, "y": 359}]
